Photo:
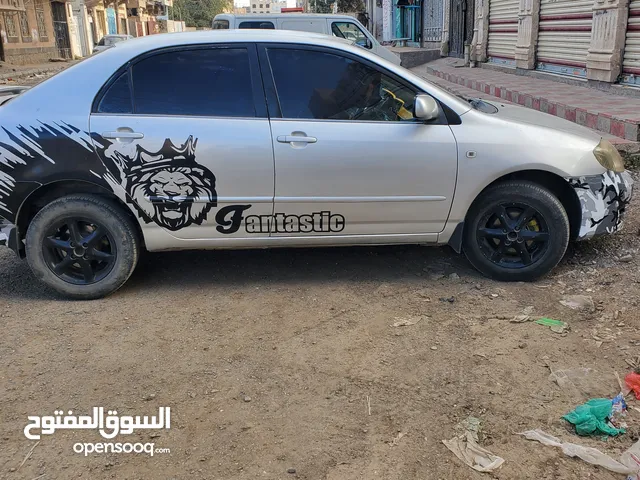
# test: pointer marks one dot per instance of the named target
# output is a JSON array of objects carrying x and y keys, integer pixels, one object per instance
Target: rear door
[
  {"x": 185, "y": 132},
  {"x": 350, "y": 157}
]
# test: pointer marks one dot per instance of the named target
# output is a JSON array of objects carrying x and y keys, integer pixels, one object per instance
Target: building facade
[
  {"x": 594, "y": 39},
  {"x": 27, "y": 31}
]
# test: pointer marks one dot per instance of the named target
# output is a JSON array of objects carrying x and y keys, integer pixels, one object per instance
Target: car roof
[
  {"x": 151, "y": 42},
  {"x": 292, "y": 15}
]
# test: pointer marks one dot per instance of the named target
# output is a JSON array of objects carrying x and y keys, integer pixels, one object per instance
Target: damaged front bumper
[{"x": 603, "y": 200}]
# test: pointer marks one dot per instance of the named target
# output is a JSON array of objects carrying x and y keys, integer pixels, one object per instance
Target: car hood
[{"x": 533, "y": 117}]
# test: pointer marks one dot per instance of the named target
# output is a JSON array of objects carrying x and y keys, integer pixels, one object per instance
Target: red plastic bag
[{"x": 633, "y": 382}]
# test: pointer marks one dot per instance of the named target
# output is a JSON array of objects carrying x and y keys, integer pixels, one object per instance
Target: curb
[{"x": 602, "y": 122}]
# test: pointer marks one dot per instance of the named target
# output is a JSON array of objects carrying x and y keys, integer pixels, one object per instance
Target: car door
[
  {"x": 185, "y": 132},
  {"x": 350, "y": 157}
]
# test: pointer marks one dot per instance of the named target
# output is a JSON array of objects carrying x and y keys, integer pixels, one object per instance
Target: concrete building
[
  {"x": 27, "y": 33},
  {"x": 277, "y": 6},
  {"x": 260, "y": 6},
  {"x": 594, "y": 39}
]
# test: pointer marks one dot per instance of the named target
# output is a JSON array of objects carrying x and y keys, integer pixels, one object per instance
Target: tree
[
  {"x": 199, "y": 13},
  {"x": 344, "y": 6},
  {"x": 350, "y": 6}
]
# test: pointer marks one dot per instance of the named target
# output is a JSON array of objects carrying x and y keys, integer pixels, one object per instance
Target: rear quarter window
[
  {"x": 221, "y": 24},
  {"x": 261, "y": 25}
]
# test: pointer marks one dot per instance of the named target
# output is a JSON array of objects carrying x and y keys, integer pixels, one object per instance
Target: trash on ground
[
  {"x": 618, "y": 412},
  {"x": 592, "y": 417},
  {"x": 579, "y": 302},
  {"x": 583, "y": 383},
  {"x": 472, "y": 425},
  {"x": 556, "y": 326},
  {"x": 472, "y": 454},
  {"x": 406, "y": 322},
  {"x": 588, "y": 454},
  {"x": 521, "y": 319},
  {"x": 632, "y": 379}
]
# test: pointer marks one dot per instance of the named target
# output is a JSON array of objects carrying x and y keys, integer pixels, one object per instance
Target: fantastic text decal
[{"x": 229, "y": 220}]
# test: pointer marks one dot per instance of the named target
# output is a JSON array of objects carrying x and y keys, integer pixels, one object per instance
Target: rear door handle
[
  {"x": 123, "y": 134},
  {"x": 296, "y": 139}
]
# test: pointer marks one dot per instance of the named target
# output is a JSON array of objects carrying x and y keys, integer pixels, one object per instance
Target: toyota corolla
[{"x": 253, "y": 139}]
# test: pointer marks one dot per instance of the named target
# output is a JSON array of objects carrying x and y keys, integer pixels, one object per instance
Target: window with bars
[
  {"x": 41, "y": 24},
  {"x": 10, "y": 26},
  {"x": 25, "y": 31}
]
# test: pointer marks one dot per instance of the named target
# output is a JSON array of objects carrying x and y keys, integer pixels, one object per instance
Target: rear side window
[
  {"x": 117, "y": 99},
  {"x": 258, "y": 25},
  {"x": 221, "y": 24},
  {"x": 205, "y": 82}
]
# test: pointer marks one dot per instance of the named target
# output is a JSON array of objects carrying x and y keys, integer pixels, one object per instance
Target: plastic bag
[
  {"x": 591, "y": 418},
  {"x": 588, "y": 454},
  {"x": 632, "y": 380},
  {"x": 478, "y": 458},
  {"x": 581, "y": 384}
]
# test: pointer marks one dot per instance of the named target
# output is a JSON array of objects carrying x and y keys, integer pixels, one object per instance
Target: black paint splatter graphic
[{"x": 167, "y": 187}]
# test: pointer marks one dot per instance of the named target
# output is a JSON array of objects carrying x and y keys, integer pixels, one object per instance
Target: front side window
[
  {"x": 221, "y": 24},
  {"x": 318, "y": 85},
  {"x": 204, "y": 82},
  {"x": 258, "y": 25},
  {"x": 350, "y": 31}
]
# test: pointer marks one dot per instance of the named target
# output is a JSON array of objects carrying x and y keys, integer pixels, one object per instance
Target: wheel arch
[
  {"x": 556, "y": 184},
  {"x": 46, "y": 193}
]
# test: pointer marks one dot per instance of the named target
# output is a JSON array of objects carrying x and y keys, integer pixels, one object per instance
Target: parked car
[
  {"x": 109, "y": 41},
  {"x": 9, "y": 92},
  {"x": 341, "y": 26},
  {"x": 243, "y": 139}
]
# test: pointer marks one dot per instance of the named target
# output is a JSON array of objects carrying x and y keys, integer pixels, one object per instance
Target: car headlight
[{"x": 608, "y": 156}]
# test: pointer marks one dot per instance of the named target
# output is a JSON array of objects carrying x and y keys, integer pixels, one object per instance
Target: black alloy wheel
[
  {"x": 516, "y": 231},
  {"x": 84, "y": 246},
  {"x": 513, "y": 235},
  {"x": 79, "y": 251}
]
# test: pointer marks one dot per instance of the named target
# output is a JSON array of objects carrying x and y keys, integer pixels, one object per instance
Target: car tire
[
  {"x": 516, "y": 231},
  {"x": 106, "y": 243}
]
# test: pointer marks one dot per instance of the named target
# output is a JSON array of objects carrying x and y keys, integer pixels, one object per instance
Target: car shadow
[{"x": 208, "y": 268}]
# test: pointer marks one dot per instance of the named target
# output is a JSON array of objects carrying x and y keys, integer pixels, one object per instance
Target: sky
[{"x": 245, "y": 3}]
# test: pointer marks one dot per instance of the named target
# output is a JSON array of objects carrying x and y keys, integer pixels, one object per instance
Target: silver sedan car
[{"x": 245, "y": 139}]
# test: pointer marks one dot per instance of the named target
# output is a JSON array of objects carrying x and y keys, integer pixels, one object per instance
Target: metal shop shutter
[
  {"x": 564, "y": 36},
  {"x": 503, "y": 31},
  {"x": 631, "y": 61}
]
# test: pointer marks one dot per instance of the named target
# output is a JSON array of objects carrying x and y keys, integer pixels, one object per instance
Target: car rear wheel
[
  {"x": 516, "y": 231},
  {"x": 83, "y": 246}
]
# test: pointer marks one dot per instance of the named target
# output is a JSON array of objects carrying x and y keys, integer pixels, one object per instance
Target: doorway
[
  {"x": 61, "y": 29},
  {"x": 461, "y": 20}
]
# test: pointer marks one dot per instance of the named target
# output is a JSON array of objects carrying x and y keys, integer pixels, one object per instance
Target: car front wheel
[
  {"x": 516, "y": 231},
  {"x": 83, "y": 246}
]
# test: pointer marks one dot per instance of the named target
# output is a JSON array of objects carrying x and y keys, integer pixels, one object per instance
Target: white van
[{"x": 343, "y": 26}]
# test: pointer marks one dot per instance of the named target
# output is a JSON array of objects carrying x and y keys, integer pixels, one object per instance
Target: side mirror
[{"x": 425, "y": 107}]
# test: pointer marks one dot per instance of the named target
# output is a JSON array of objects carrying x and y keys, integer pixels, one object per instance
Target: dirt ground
[{"x": 274, "y": 360}]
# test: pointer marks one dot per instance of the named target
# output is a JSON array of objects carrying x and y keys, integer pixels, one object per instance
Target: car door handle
[
  {"x": 123, "y": 134},
  {"x": 296, "y": 139}
]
